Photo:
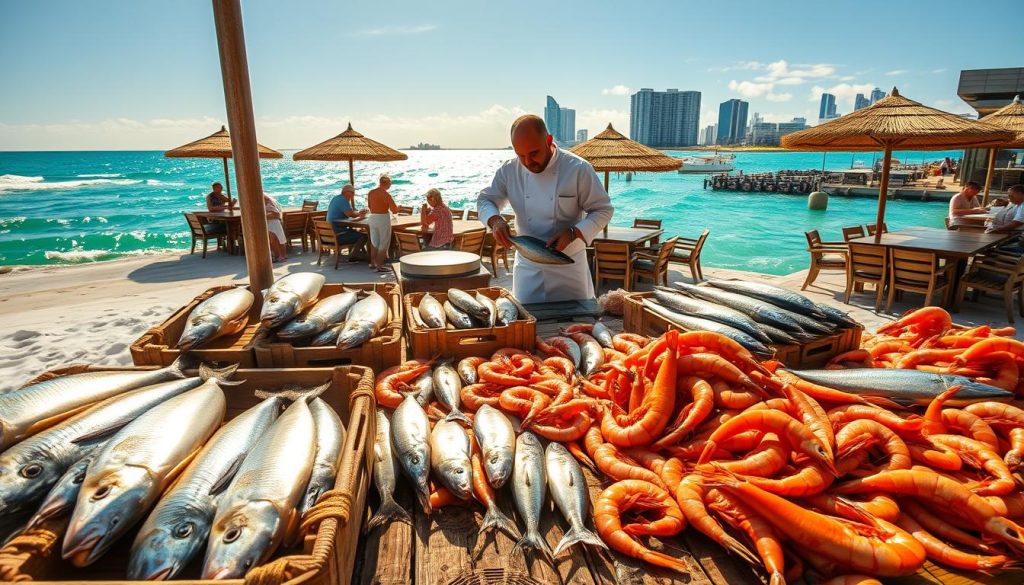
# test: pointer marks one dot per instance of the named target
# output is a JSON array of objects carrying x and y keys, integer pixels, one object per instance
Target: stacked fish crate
[{"x": 459, "y": 334}]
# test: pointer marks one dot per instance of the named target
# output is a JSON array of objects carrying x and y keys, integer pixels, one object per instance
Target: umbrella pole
[
  {"x": 351, "y": 174},
  {"x": 988, "y": 175},
  {"x": 227, "y": 179},
  {"x": 227, "y": 16},
  {"x": 883, "y": 191},
  {"x": 606, "y": 191}
]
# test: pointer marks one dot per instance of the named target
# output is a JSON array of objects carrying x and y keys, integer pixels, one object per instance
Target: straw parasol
[
  {"x": 611, "y": 151},
  {"x": 895, "y": 122},
  {"x": 216, "y": 145},
  {"x": 1009, "y": 118},
  {"x": 351, "y": 146}
]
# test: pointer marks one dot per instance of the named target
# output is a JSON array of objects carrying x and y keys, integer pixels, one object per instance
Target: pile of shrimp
[{"x": 926, "y": 339}]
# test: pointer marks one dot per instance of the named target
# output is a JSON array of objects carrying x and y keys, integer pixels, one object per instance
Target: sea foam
[{"x": 10, "y": 183}]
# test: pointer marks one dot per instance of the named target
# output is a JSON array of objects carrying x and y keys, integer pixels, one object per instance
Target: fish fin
[
  {"x": 424, "y": 499},
  {"x": 294, "y": 393},
  {"x": 229, "y": 474},
  {"x": 110, "y": 428},
  {"x": 887, "y": 402},
  {"x": 578, "y": 535},
  {"x": 182, "y": 363},
  {"x": 457, "y": 416},
  {"x": 535, "y": 541},
  {"x": 495, "y": 519},
  {"x": 389, "y": 511},
  {"x": 221, "y": 375}
]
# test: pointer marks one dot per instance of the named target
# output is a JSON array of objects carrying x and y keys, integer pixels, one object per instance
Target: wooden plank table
[
  {"x": 232, "y": 221},
  {"x": 635, "y": 237}
]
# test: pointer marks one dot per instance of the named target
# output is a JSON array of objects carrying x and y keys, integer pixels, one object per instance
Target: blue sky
[{"x": 145, "y": 74}]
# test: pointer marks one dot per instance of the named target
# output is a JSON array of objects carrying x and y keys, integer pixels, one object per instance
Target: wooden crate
[
  {"x": 813, "y": 354},
  {"x": 379, "y": 352},
  {"x": 327, "y": 554},
  {"x": 156, "y": 347},
  {"x": 460, "y": 343}
]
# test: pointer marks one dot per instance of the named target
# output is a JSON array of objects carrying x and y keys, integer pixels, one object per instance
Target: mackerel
[
  {"x": 681, "y": 303},
  {"x": 447, "y": 390},
  {"x": 61, "y": 499},
  {"x": 363, "y": 321},
  {"x": 328, "y": 336},
  {"x": 837, "y": 316},
  {"x": 492, "y": 309},
  {"x": 385, "y": 470},
  {"x": 449, "y": 458},
  {"x": 591, "y": 353},
  {"x": 327, "y": 312},
  {"x": 431, "y": 311},
  {"x": 529, "y": 486},
  {"x": 570, "y": 493},
  {"x": 602, "y": 334},
  {"x": 785, "y": 298},
  {"x": 903, "y": 386},
  {"x": 290, "y": 295},
  {"x": 691, "y": 323},
  {"x": 457, "y": 317},
  {"x": 410, "y": 436},
  {"x": 757, "y": 310},
  {"x": 535, "y": 250},
  {"x": 330, "y": 436},
  {"x": 466, "y": 303},
  {"x": 225, "y": 313},
  {"x": 507, "y": 311},
  {"x": 497, "y": 440}
]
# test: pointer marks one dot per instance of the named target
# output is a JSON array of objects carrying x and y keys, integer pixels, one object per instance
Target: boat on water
[{"x": 716, "y": 163}]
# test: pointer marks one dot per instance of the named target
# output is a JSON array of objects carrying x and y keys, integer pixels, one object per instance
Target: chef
[{"x": 557, "y": 197}]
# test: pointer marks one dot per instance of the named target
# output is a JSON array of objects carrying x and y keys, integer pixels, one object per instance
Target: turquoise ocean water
[{"x": 74, "y": 207}]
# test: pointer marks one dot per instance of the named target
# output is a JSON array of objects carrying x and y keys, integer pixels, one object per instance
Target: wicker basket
[
  {"x": 460, "y": 343},
  {"x": 331, "y": 528}
]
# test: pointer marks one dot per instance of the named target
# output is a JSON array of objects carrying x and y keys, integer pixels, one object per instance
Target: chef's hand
[
  {"x": 501, "y": 232},
  {"x": 563, "y": 238}
]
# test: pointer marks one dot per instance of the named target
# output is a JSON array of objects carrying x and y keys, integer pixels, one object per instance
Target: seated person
[
  {"x": 1011, "y": 217},
  {"x": 216, "y": 200},
  {"x": 965, "y": 203},
  {"x": 342, "y": 207},
  {"x": 435, "y": 212}
]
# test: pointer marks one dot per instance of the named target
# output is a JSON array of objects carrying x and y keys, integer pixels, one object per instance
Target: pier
[{"x": 909, "y": 184}]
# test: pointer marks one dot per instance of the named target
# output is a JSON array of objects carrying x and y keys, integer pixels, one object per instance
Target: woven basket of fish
[
  {"x": 209, "y": 475},
  {"x": 215, "y": 327},
  {"x": 343, "y": 324},
  {"x": 470, "y": 323},
  {"x": 770, "y": 322}
]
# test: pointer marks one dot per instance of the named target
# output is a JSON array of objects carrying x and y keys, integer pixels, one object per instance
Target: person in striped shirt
[{"x": 435, "y": 212}]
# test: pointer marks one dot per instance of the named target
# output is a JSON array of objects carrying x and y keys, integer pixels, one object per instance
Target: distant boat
[{"x": 717, "y": 163}]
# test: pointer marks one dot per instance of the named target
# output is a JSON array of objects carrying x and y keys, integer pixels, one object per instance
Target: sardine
[
  {"x": 132, "y": 469},
  {"x": 28, "y": 410},
  {"x": 467, "y": 371},
  {"x": 903, "y": 386},
  {"x": 410, "y": 436},
  {"x": 529, "y": 486},
  {"x": 493, "y": 432},
  {"x": 328, "y": 336},
  {"x": 492, "y": 309},
  {"x": 685, "y": 305},
  {"x": 602, "y": 334},
  {"x": 568, "y": 347},
  {"x": 784, "y": 337},
  {"x": 63, "y": 495},
  {"x": 691, "y": 323},
  {"x": 364, "y": 320},
  {"x": 535, "y": 250},
  {"x": 837, "y": 316},
  {"x": 570, "y": 493},
  {"x": 385, "y": 469},
  {"x": 326, "y": 312},
  {"x": 465, "y": 302},
  {"x": 424, "y": 385},
  {"x": 431, "y": 311},
  {"x": 176, "y": 531},
  {"x": 507, "y": 311},
  {"x": 224, "y": 313},
  {"x": 591, "y": 353},
  {"x": 449, "y": 458},
  {"x": 757, "y": 310},
  {"x": 330, "y": 437},
  {"x": 457, "y": 317},
  {"x": 781, "y": 297},
  {"x": 289, "y": 296},
  {"x": 258, "y": 507},
  {"x": 447, "y": 390}
]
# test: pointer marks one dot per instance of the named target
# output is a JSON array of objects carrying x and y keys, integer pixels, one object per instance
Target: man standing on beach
[{"x": 557, "y": 197}]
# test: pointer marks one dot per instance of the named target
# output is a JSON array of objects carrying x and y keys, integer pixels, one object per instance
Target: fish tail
[
  {"x": 221, "y": 375},
  {"x": 423, "y": 495},
  {"x": 496, "y": 519},
  {"x": 577, "y": 535},
  {"x": 389, "y": 511},
  {"x": 458, "y": 416},
  {"x": 533, "y": 540},
  {"x": 184, "y": 362},
  {"x": 294, "y": 394}
]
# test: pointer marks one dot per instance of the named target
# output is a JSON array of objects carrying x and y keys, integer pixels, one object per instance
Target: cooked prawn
[
  {"x": 728, "y": 397},
  {"x": 772, "y": 421},
  {"x": 629, "y": 494},
  {"x": 943, "y": 553},
  {"x": 757, "y": 530},
  {"x": 971, "y": 425},
  {"x": 689, "y": 494},
  {"x": 703, "y": 403},
  {"x": 841, "y": 415},
  {"x": 387, "y": 389},
  {"x": 644, "y": 424},
  {"x": 980, "y": 456},
  {"x": 940, "y": 527}
]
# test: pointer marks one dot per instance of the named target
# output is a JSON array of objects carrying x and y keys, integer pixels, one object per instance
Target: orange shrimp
[
  {"x": 980, "y": 456},
  {"x": 613, "y": 462},
  {"x": 629, "y": 343},
  {"x": 728, "y": 397},
  {"x": 523, "y": 402},
  {"x": 758, "y": 531},
  {"x": 1006, "y": 371},
  {"x": 988, "y": 346},
  {"x": 1014, "y": 457},
  {"x": 643, "y": 425},
  {"x": 702, "y": 405},
  {"x": 891, "y": 346},
  {"x": 935, "y": 455},
  {"x": 808, "y": 480},
  {"x": 971, "y": 425},
  {"x": 473, "y": 396},
  {"x": 925, "y": 321},
  {"x": 926, "y": 357},
  {"x": 1008, "y": 331},
  {"x": 562, "y": 366},
  {"x": 809, "y": 412},
  {"x": 944, "y": 493},
  {"x": 997, "y": 413},
  {"x": 879, "y": 506},
  {"x": 852, "y": 580},
  {"x": 773, "y": 421},
  {"x": 498, "y": 372},
  {"x": 767, "y": 459},
  {"x": 933, "y": 414},
  {"x": 507, "y": 352},
  {"x": 629, "y": 494},
  {"x": 388, "y": 383},
  {"x": 854, "y": 438},
  {"x": 571, "y": 428},
  {"x": 842, "y": 415},
  {"x": 613, "y": 355},
  {"x": 941, "y": 552},
  {"x": 940, "y": 527},
  {"x": 719, "y": 344},
  {"x": 580, "y": 454},
  {"x": 854, "y": 356},
  {"x": 707, "y": 364}
]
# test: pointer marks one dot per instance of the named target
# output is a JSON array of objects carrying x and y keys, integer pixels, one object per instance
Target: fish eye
[
  {"x": 78, "y": 478},
  {"x": 183, "y": 530},
  {"x": 101, "y": 493},
  {"x": 232, "y": 535},
  {"x": 115, "y": 521},
  {"x": 460, "y": 471},
  {"x": 414, "y": 460},
  {"x": 31, "y": 471},
  {"x": 247, "y": 563}
]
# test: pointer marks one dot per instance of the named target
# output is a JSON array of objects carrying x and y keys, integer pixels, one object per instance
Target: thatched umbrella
[
  {"x": 611, "y": 151},
  {"x": 890, "y": 123},
  {"x": 216, "y": 145},
  {"x": 351, "y": 146},
  {"x": 1009, "y": 118}
]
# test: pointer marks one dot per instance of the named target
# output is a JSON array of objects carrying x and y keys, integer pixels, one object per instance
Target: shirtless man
[{"x": 379, "y": 222}]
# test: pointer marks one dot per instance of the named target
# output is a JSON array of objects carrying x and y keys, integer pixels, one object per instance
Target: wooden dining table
[
  {"x": 635, "y": 237},
  {"x": 411, "y": 224},
  {"x": 232, "y": 221}
]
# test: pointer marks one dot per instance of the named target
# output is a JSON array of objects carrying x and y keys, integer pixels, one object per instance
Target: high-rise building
[
  {"x": 553, "y": 117},
  {"x": 794, "y": 125},
  {"x": 860, "y": 102},
  {"x": 732, "y": 121},
  {"x": 665, "y": 118},
  {"x": 581, "y": 135},
  {"x": 763, "y": 133},
  {"x": 708, "y": 137},
  {"x": 877, "y": 94},
  {"x": 567, "y": 132},
  {"x": 827, "y": 110}
]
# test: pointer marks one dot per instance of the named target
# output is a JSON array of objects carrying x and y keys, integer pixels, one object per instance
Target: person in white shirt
[
  {"x": 965, "y": 203},
  {"x": 1011, "y": 217},
  {"x": 557, "y": 197}
]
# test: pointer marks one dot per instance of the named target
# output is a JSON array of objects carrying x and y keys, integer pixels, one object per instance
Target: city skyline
[{"x": 91, "y": 76}]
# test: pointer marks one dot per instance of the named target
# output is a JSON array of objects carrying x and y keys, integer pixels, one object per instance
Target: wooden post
[
  {"x": 988, "y": 175},
  {"x": 227, "y": 16},
  {"x": 606, "y": 191},
  {"x": 883, "y": 191},
  {"x": 351, "y": 174},
  {"x": 227, "y": 177}
]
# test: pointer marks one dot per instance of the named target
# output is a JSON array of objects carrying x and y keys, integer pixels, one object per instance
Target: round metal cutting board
[{"x": 440, "y": 264}]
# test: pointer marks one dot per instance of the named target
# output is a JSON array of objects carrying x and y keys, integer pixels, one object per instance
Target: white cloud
[
  {"x": 942, "y": 70},
  {"x": 397, "y": 30},
  {"x": 740, "y": 66},
  {"x": 778, "y": 97},
  {"x": 895, "y": 72},
  {"x": 750, "y": 89},
  {"x": 597, "y": 120},
  {"x": 616, "y": 90}
]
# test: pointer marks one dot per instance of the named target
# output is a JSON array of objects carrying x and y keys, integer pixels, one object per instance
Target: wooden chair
[
  {"x": 471, "y": 241},
  {"x": 650, "y": 224},
  {"x": 472, "y": 214},
  {"x": 310, "y": 205},
  {"x": 407, "y": 243},
  {"x": 996, "y": 272},
  {"x": 653, "y": 266},
  {"x": 824, "y": 256},
  {"x": 457, "y": 213},
  {"x": 296, "y": 225},
  {"x": 612, "y": 262},
  {"x": 918, "y": 272},
  {"x": 867, "y": 264},
  {"x": 687, "y": 251},
  {"x": 327, "y": 241},
  {"x": 404, "y": 210},
  {"x": 198, "y": 229},
  {"x": 494, "y": 251},
  {"x": 856, "y": 231},
  {"x": 871, "y": 229}
]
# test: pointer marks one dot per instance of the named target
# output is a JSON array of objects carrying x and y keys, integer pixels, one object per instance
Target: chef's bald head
[{"x": 532, "y": 143}]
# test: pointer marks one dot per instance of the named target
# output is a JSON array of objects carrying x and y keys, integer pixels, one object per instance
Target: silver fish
[
  {"x": 570, "y": 493},
  {"x": 681, "y": 303},
  {"x": 781, "y": 297},
  {"x": 449, "y": 458},
  {"x": 757, "y": 310},
  {"x": 258, "y": 507},
  {"x": 330, "y": 437},
  {"x": 424, "y": 385},
  {"x": 290, "y": 295},
  {"x": 447, "y": 390},
  {"x": 779, "y": 336},
  {"x": 602, "y": 334},
  {"x": 328, "y": 336},
  {"x": 326, "y": 312},
  {"x": 492, "y": 309},
  {"x": 567, "y": 346},
  {"x": 836, "y": 316},
  {"x": 529, "y": 486},
  {"x": 903, "y": 386},
  {"x": 457, "y": 317},
  {"x": 507, "y": 311},
  {"x": 535, "y": 250},
  {"x": 63, "y": 495},
  {"x": 135, "y": 465},
  {"x": 364, "y": 320},
  {"x": 493, "y": 432},
  {"x": 465, "y": 302},
  {"x": 177, "y": 529},
  {"x": 467, "y": 371},
  {"x": 28, "y": 410},
  {"x": 431, "y": 311},
  {"x": 222, "y": 314},
  {"x": 410, "y": 436},
  {"x": 691, "y": 323},
  {"x": 591, "y": 353},
  {"x": 385, "y": 470}
]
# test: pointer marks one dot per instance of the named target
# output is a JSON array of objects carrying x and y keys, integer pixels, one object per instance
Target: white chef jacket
[{"x": 566, "y": 193}]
